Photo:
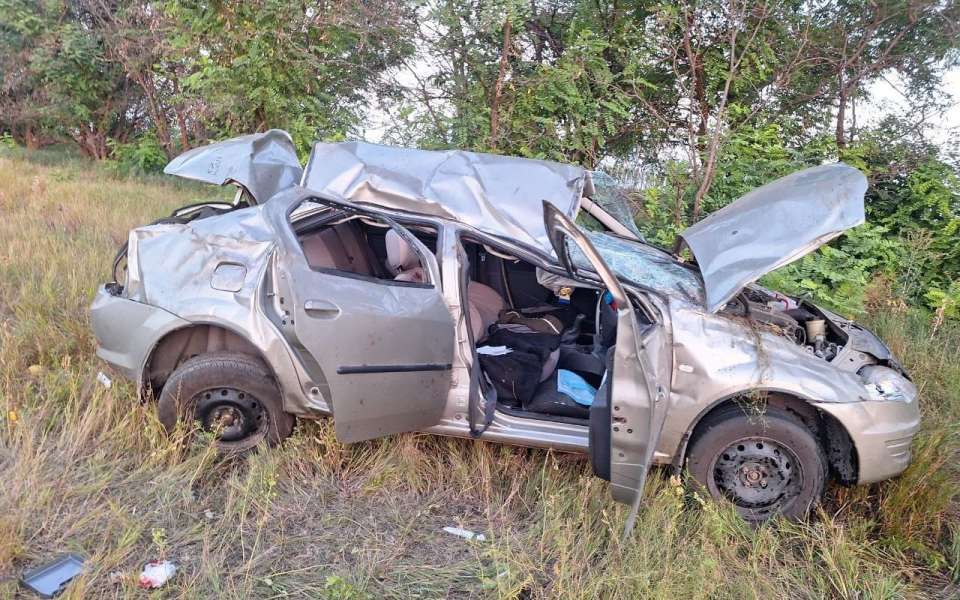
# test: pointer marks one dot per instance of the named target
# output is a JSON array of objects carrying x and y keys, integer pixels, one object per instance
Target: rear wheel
[
  {"x": 766, "y": 464},
  {"x": 230, "y": 394}
]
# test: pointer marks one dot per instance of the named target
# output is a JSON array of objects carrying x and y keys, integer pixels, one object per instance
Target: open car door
[
  {"x": 383, "y": 347},
  {"x": 634, "y": 408}
]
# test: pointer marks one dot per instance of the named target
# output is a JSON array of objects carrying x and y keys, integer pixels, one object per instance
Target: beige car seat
[
  {"x": 402, "y": 259},
  {"x": 341, "y": 247},
  {"x": 483, "y": 302}
]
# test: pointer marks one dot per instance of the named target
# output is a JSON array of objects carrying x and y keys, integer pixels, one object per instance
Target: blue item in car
[{"x": 575, "y": 387}]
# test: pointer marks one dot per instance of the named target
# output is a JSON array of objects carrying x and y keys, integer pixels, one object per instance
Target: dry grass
[{"x": 87, "y": 469}]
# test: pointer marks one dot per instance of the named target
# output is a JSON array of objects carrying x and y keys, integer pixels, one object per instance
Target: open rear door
[
  {"x": 383, "y": 347},
  {"x": 637, "y": 403}
]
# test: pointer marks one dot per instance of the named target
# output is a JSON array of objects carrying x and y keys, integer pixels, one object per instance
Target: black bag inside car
[
  {"x": 516, "y": 374},
  {"x": 513, "y": 375}
]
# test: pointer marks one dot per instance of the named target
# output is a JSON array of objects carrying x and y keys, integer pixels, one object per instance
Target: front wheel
[
  {"x": 230, "y": 394},
  {"x": 766, "y": 464}
]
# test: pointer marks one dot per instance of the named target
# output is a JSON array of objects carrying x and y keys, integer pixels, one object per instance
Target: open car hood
[
  {"x": 774, "y": 225},
  {"x": 262, "y": 163}
]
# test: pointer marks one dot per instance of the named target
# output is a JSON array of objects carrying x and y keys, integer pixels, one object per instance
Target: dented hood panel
[
  {"x": 774, "y": 225},
  {"x": 263, "y": 163},
  {"x": 499, "y": 195}
]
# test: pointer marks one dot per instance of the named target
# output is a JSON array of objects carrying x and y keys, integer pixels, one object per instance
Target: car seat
[
  {"x": 483, "y": 302},
  {"x": 341, "y": 247}
]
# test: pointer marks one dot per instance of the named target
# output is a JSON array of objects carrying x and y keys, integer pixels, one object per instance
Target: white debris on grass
[
  {"x": 104, "y": 380},
  {"x": 156, "y": 573},
  {"x": 466, "y": 534}
]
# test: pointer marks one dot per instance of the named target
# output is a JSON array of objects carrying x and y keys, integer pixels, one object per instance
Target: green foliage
[
  {"x": 912, "y": 234},
  {"x": 337, "y": 588},
  {"x": 64, "y": 83},
  {"x": 186, "y": 71},
  {"x": 572, "y": 75},
  {"x": 837, "y": 275},
  {"x": 277, "y": 64},
  {"x": 142, "y": 155},
  {"x": 945, "y": 301}
]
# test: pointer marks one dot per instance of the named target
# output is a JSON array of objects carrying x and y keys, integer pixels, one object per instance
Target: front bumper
[
  {"x": 882, "y": 432},
  {"x": 127, "y": 331}
]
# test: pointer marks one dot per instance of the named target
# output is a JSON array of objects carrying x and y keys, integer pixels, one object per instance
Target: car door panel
[
  {"x": 637, "y": 400},
  {"x": 638, "y": 409},
  {"x": 384, "y": 347}
]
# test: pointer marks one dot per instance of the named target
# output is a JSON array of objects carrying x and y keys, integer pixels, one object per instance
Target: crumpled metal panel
[
  {"x": 263, "y": 163},
  {"x": 499, "y": 195},
  {"x": 184, "y": 258},
  {"x": 774, "y": 225},
  {"x": 174, "y": 267},
  {"x": 718, "y": 357}
]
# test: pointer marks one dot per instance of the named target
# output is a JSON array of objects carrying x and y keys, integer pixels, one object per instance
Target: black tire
[
  {"x": 230, "y": 393},
  {"x": 766, "y": 463}
]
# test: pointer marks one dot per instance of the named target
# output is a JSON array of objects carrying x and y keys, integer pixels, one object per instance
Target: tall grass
[{"x": 88, "y": 469}]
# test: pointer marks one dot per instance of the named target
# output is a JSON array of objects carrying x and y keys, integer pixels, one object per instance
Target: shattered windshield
[{"x": 643, "y": 265}]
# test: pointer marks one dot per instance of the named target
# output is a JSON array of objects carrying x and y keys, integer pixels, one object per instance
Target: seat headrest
[{"x": 400, "y": 255}]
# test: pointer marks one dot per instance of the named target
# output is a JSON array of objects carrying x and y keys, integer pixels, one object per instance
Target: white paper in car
[{"x": 494, "y": 350}]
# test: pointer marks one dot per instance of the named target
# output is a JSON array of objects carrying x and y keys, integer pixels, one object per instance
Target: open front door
[
  {"x": 637, "y": 403},
  {"x": 384, "y": 347}
]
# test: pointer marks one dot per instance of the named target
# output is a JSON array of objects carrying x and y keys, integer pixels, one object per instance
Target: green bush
[{"x": 143, "y": 155}]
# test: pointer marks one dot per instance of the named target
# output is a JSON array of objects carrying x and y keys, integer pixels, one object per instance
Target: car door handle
[{"x": 323, "y": 309}]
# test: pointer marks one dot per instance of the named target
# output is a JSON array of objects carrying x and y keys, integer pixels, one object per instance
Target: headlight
[{"x": 885, "y": 384}]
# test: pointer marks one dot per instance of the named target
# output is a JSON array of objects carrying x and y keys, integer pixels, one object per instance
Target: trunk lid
[{"x": 261, "y": 163}]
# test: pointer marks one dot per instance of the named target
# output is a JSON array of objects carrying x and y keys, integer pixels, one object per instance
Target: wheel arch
[
  {"x": 180, "y": 344},
  {"x": 829, "y": 432}
]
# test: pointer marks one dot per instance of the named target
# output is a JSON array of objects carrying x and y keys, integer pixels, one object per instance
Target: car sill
[{"x": 367, "y": 369}]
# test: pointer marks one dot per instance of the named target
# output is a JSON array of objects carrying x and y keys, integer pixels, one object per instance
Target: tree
[
  {"x": 860, "y": 41},
  {"x": 137, "y": 36},
  {"x": 556, "y": 79},
  {"x": 57, "y": 79},
  {"x": 306, "y": 67}
]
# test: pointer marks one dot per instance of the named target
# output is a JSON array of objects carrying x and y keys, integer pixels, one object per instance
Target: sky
[{"x": 887, "y": 98}]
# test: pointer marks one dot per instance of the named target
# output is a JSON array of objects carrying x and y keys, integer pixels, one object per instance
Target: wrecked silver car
[{"x": 451, "y": 292}]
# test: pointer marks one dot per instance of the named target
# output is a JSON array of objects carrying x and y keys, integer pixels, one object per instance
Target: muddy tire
[
  {"x": 231, "y": 394},
  {"x": 765, "y": 463}
]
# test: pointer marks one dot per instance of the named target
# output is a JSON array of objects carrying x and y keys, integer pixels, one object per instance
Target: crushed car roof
[
  {"x": 774, "y": 225},
  {"x": 499, "y": 195}
]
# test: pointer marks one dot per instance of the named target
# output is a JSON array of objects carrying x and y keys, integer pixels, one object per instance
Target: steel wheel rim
[
  {"x": 233, "y": 415},
  {"x": 759, "y": 475}
]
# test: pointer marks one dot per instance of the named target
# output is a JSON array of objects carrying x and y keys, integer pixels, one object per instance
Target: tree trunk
[
  {"x": 30, "y": 138},
  {"x": 156, "y": 114},
  {"x": 498, "y": 88},
  {"x": 840, "y": 133},
  {"x": 92, "y": 143},
  {"x": 704, "y": 187},
  {"x": 182, "y": 126}
]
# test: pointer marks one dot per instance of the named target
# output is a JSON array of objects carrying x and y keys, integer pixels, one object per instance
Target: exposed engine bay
[{"x": 800, "y": 321}]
